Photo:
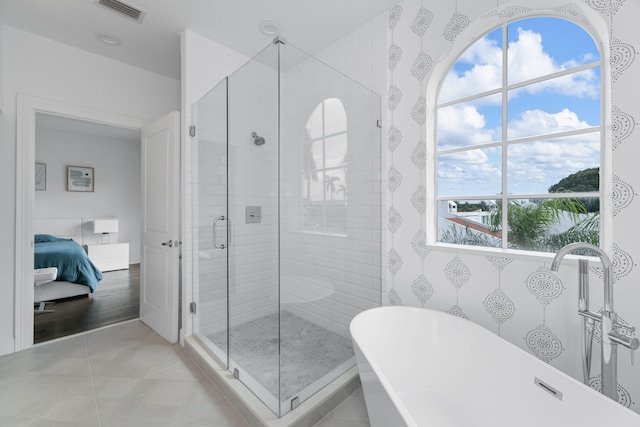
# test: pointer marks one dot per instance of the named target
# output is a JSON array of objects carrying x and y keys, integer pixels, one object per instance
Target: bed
[{"x": 76, "y": 274}]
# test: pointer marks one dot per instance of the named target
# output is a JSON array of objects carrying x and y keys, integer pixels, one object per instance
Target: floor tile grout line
[
  {"x": 152, "y": 373},
  {"x": 132, "y": 342},
  {"x": 147, "y": 376},
  {"x": 93, "y": 384}
]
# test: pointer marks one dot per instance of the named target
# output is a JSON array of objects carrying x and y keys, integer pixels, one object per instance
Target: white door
[{"x": 160, "y": 226}]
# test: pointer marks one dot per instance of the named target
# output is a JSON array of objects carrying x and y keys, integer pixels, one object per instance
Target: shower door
[
  {"x": 207, "y": 210},
  {"x": 234, "y": 214}
]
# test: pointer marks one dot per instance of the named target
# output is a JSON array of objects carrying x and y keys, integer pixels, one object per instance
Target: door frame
[{"x": 28, "y": 106}]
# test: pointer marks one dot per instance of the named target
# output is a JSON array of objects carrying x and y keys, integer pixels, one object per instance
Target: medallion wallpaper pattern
[{"x": 518, "y": 297}]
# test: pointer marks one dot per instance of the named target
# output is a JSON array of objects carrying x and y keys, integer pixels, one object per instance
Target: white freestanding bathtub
[{"x": 421, "y": 367}]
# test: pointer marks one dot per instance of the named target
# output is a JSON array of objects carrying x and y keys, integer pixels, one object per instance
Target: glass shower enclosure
[{"x": 285, "y": 197}]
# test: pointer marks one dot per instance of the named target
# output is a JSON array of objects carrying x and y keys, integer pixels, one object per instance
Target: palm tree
[
  {"x": 329, "y": 183},
  {"x": 585, "y": 230},
  {"x": 529, "y": 224},
  {"x": 457, "y": 235}
]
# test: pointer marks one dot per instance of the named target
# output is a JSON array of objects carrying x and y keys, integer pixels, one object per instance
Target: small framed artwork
[
  {"x": 79, "y": 178},
  {"x": 41, "y": 176}
]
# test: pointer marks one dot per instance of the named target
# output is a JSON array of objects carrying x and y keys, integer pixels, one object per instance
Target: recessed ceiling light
[
  {"x": 270, "y": 28},
  {"x": 107, "y": 38}
]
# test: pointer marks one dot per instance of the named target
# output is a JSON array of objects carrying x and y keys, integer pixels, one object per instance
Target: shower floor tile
[{"x": 308, "y": 351}]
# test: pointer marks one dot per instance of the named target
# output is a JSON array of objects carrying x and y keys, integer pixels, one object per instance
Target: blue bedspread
[{"x": 69, "y": 257}]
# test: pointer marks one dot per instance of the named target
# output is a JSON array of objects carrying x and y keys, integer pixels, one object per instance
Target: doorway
[
  {"x": 28, "y": 108},
  {"x": 112, "y": 154}
]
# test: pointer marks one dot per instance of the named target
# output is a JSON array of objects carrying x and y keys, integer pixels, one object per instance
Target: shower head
[{"x": 258, "y": 140}]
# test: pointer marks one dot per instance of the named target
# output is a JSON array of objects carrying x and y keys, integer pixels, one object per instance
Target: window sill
[{"x": 545, "y": 257}]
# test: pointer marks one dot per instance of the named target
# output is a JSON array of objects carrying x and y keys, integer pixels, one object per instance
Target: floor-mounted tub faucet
[{"x": 610, "y": 337}]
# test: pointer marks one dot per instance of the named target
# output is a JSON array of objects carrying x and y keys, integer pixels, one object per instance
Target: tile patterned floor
[
  {"x": 308, "y": 351},
  {"x": 350, "y": 413},
  {"x": 125, "y": 375}
]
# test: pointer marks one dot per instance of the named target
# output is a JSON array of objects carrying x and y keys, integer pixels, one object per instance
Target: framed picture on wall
[
  {"x": 41, "y": 176},
  {"x": 79, "y": 178}
]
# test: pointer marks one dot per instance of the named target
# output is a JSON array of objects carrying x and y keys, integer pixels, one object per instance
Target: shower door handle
[{"x": 215, "y": 234}]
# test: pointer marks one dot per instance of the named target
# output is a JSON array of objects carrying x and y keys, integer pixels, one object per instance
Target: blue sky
[{"x": 536, "y": 47}]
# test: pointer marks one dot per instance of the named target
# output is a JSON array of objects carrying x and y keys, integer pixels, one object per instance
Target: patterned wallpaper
[{"x": 517, "y": 296}]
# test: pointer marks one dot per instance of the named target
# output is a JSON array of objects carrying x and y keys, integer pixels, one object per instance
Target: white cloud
[
  {"x": 537, "y": 122},
  {"x": 485, "y": 56},
  {"x": 470, "y": 172},
  {"x": 462, "y": 125},
  {"x": 580, "y": 85},
  {"x": 527, "y": 59},
  {"x": 532, "y": 166}
]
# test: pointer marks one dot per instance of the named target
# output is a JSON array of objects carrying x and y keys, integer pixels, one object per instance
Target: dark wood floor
[{"x": 117, "y": 299}]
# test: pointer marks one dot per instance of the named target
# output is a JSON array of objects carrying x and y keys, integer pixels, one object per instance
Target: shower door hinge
[
  {"x": 295, "y": 402},
  {"x": 192, "y": 130},
  {"x": 192, "y": 307},
  {"x": 379, "y": 123}
]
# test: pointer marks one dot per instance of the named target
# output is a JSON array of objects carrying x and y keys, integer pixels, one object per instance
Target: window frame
[
  {"x": 325, "y": 203},
  {"x": 434, "y": 87}
]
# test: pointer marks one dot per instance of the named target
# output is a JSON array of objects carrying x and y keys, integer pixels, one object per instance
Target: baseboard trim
[{"x": 7, "y": 346}]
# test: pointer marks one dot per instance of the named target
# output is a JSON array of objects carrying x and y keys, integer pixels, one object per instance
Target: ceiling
[{"x": 154, "y": 44}]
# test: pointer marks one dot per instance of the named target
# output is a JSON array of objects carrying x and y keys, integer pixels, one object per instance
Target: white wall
[
  {"x": 362, "y": 54},
  {"x": 42, "y": 68},
  {"x": 116, "y": 194},
  {"x": 1, "y": 69}
]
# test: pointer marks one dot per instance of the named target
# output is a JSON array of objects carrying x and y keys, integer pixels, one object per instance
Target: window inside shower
[{"x": 325, "y": 169}]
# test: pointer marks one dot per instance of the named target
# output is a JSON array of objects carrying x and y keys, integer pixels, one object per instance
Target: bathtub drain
[{"x": 546, "y": 387}]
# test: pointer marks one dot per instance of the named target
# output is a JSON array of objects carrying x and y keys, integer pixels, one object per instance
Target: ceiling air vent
[{"x": 123, "y": 9}]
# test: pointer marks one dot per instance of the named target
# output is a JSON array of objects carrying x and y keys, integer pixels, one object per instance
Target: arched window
[
  {"x": 325, "y": 167},
  {"x": 518, "y": 139}
]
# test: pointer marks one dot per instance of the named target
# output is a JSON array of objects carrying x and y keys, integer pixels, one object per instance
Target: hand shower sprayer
[{"x": 258, "y": 140}]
